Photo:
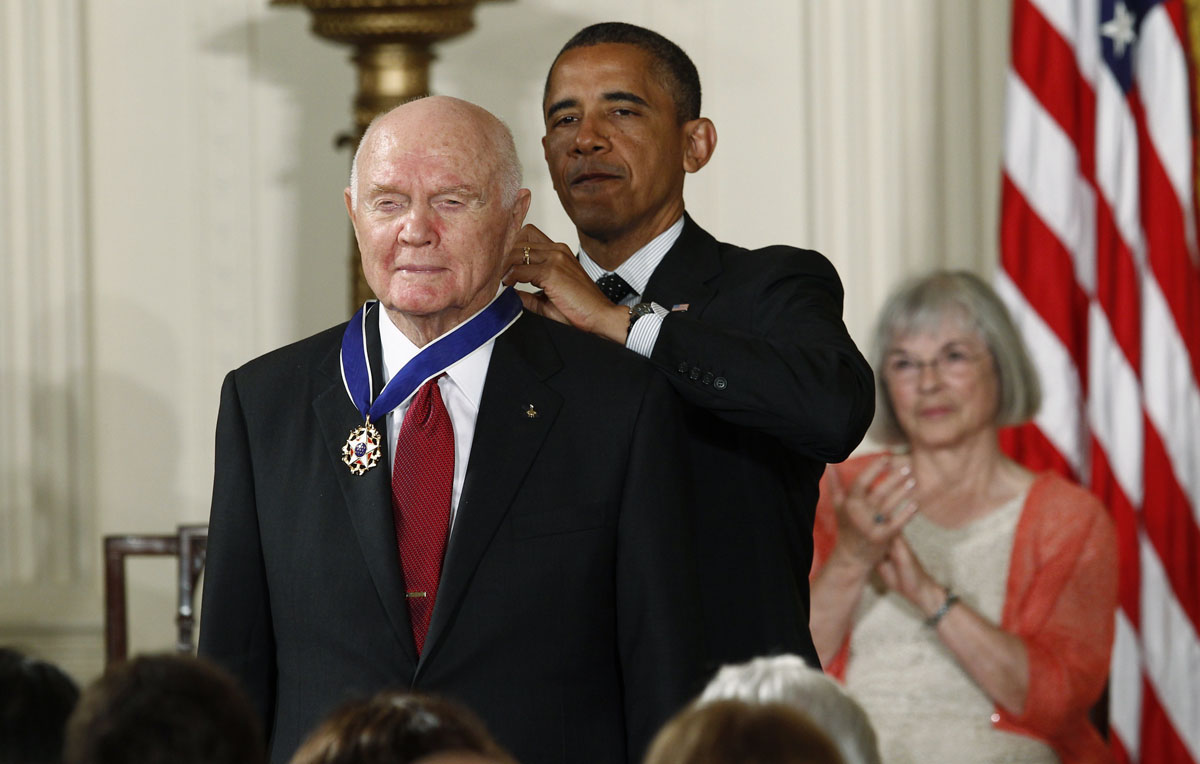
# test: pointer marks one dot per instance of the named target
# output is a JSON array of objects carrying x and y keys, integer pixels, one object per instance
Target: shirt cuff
[{"x": 645, "y": 331}]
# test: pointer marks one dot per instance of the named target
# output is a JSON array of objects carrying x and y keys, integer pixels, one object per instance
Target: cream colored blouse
[{"x": 923, "y": 705}]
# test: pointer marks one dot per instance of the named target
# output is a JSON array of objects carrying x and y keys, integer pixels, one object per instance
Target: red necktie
[{"x": 422, "y": 478}]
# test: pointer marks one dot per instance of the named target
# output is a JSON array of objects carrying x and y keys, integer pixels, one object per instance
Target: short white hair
[
  {"x": 919, "y": 305},
  {"x": 508, "y": 164},
  {"x": 788, "y": 679}
]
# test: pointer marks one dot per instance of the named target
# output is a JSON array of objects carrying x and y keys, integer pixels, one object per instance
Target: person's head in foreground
[
  {"x": 36, "y": 698},
  {"x": 401, "y": 728},
  {"x": 788, "y": 679},
  {"x": 738, "y": 732},
  {"x": 164, "y": 709},
  {"x": 436, "y": 204}
]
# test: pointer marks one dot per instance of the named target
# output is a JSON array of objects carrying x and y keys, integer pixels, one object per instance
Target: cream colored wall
[{"x": 206, "y": 194}]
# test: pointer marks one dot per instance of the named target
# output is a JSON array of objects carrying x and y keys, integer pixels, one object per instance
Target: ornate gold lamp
[{"x": 392, "y": 41}]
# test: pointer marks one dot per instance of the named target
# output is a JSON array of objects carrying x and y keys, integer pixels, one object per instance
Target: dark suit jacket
[
  {"x": 565, "y": 615},
  {"x": 775, "y": 388}
]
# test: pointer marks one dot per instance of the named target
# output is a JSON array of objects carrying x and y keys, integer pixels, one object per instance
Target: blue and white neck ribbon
[{"x": 443, "y": 352}]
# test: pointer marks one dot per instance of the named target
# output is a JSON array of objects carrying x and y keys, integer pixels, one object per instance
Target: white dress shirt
[
  {"x": 461, "y": 389},
  {"x": 637, "y": 271}
]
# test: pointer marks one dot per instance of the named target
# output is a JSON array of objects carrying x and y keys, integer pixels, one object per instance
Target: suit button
[
  {"x": 683, "y": 367},
  {"x": 720, "y": 383},
  {"x": 707, "y": 378},
  {"x": 694, "y": 373}
]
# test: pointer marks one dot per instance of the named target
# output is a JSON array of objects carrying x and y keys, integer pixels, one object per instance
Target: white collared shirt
[
  {"x": 636, "y": 271},
  {"x": 461, "y": 389}
]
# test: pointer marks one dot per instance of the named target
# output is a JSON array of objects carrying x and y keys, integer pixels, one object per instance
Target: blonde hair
[{"x": 736, "y": 732}]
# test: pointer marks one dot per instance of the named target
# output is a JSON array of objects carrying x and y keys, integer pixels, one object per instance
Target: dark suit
[
  {"x": 565, "y": 615},
  {"x": 775, "y": 388}
]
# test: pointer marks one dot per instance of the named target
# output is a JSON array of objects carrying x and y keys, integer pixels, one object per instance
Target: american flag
[{"x": 1099, "y": 266}]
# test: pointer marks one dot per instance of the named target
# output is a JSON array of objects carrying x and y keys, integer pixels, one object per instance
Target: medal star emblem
[{"x": 361, "y": 451}]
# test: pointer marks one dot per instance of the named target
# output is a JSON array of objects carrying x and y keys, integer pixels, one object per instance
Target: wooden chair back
[{"x": 188, "y": 545}]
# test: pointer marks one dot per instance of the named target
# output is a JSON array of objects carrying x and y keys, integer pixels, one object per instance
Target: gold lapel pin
[{"x": 531, "y": 412}]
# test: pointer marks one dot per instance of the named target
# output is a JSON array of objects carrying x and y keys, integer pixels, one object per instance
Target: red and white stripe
[{"x": 1100, "y": 267}]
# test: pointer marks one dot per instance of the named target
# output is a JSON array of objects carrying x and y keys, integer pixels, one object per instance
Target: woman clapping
[{"x": 966, "y": 602}]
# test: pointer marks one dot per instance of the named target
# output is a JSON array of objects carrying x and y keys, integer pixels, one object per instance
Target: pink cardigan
[{"x": 1061, "y": 600}]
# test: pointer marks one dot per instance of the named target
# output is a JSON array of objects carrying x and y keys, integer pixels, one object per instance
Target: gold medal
[{"x": 361, "y": 451}]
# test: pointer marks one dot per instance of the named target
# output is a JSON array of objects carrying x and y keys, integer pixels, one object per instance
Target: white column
[
  {"x": 902, "y": 112},
  {"x": 46, "y": 517}
]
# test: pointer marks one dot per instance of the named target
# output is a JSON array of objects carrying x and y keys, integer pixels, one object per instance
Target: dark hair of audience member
[
  {"x": 36, "y": 698},
  {"x": 398, "y": 728},
  {"x": 164, "y": 709},
  {"x": 737, "y": 732}
]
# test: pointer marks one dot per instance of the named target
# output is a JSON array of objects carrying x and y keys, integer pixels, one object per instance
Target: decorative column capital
[{"x": 368, "y": 22}]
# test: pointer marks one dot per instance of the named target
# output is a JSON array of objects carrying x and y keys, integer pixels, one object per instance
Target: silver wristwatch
[{"x": 636, "y": 312}]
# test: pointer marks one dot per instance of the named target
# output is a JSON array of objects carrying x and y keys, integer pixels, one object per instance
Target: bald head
[
  {"x": 447, "y": 124},
  {"x": 436, "y": 207}
]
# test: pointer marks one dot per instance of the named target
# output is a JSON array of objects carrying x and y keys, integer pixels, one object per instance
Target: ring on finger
[
  {"x": 526, "y": 258},
  {"x": 879, "y": 519}
]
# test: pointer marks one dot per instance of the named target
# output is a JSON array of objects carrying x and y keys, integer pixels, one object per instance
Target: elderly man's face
[
  {"x": 429, "y": 218},
  {"x": 613, "y": 143}
]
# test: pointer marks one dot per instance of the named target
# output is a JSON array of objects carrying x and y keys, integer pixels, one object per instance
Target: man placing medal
[{"x": 450, "y": 494}]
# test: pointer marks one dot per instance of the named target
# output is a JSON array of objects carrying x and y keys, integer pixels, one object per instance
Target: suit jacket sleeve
[
  {"x": 658, "y": 617},
  {"x": 770, "y": 353},
  {"x": 236, "y": 628}
]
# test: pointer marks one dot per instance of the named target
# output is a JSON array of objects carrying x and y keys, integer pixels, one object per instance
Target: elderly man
[
  {"x": 752, "y": 341},
  {"x": 415, "y": 500}
]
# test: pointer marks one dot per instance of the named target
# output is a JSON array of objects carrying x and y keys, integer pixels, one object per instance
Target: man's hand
[{"x": 567, "y": 295}]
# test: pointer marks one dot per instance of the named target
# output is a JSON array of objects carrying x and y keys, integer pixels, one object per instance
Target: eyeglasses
[{"x": 950, "y": 364}]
